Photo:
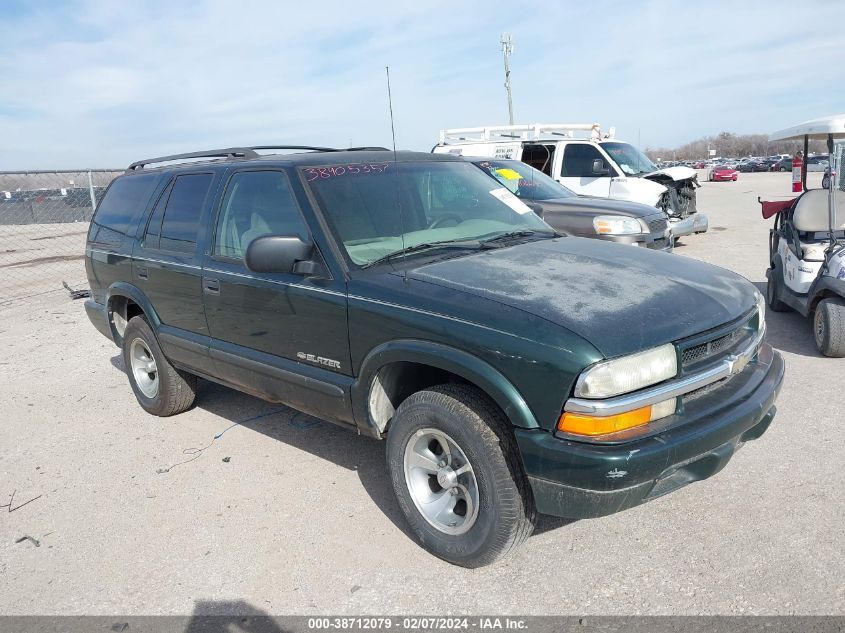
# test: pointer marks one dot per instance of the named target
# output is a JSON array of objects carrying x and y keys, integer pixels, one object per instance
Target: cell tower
[{"x": 507, "y": 49}]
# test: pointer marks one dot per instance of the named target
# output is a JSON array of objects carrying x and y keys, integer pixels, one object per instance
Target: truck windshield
[
  {"x": 524, "y": 181},
  {"x": 378, "y": 209},
  {"x": 630, "y": 160}
]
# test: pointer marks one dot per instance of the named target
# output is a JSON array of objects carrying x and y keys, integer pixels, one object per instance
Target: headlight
[
  {"x": 619, "y": 225},
  {"x": 629, "y": 373},
  {"x": 761, "y": 310}
]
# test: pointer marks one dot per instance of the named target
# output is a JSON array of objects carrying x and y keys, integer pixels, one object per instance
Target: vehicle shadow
[
  {"x": 788, "y": 331},
  {"x": 340, "y": 446},
  {"x": 224, "y": 616}
]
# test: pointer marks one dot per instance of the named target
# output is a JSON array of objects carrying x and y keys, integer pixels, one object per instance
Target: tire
[
  {"x": 160, "y": 388},
  {"x": 825, "y": 182},
  {"x": 829, "y": 327},
  {"x": 773, "y": 295},
  {"x": 502, "y": 514}
]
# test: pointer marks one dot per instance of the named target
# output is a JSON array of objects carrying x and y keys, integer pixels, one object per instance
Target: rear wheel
[
  {"x": 160, "y": 388},
  {"x": 457, "y": 474},
  {"x": 773, "y": 293},
  {"x": 829, "y": 327}
]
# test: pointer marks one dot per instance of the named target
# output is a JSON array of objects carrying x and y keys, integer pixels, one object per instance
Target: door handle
[
  {"x": 142, "y": 272},
  {"x": 211, "y": 286}
]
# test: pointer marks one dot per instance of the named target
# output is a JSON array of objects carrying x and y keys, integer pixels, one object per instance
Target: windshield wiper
[
  {"x": 462, "y": 243},
  {"x": 502, "y": 237}
]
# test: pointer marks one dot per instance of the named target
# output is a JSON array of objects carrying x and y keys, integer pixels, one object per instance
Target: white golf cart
[{"x": 807, "y": 243}]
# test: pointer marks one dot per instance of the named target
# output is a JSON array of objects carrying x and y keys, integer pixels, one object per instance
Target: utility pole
[{"x": 507, "y": 49}]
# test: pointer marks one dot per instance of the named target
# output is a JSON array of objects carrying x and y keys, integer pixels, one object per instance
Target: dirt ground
[
  {"x": 111, "y": 510},
  {"x": 36, "y": 258}
]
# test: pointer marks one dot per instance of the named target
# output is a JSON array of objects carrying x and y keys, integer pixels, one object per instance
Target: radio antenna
[{"x": 396, "y": 162}]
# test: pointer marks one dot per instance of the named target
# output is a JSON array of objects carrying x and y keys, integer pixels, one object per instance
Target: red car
[{"x": 720, "y": 172}]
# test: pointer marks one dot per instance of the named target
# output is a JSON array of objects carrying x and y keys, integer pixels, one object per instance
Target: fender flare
[
  {"x": 469, "y": 367},
  {"x": 825, "y": 285},
  {"x": 128, "y": 291}
]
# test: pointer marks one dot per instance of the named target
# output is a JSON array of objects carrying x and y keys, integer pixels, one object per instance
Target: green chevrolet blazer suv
[{"x": 511, "y": 370}]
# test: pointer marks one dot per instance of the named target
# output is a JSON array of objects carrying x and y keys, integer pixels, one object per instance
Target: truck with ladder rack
[{"x": 589, "y": 162}]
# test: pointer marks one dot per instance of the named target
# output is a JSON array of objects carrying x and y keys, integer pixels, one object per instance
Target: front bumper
[
  {"x": 583, "y": 480},
  {"x": 658, "y": 242},
  {"x": 696, "y": 223}
]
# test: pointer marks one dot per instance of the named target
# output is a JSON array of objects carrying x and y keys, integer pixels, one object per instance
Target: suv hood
[
  {"x": 675, "y": 173},
  {"x": 620, "y": 299},
  {"x": 594, "y": 205}
]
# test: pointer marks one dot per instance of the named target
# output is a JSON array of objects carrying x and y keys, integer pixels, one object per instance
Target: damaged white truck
[{"x": 589, "y": 163}]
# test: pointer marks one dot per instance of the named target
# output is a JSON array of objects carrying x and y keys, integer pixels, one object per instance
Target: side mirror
[
  {"x": 536, "y": 208},
  {"x": 599, "y": 169},
  {"x": 280, "y": 254}
]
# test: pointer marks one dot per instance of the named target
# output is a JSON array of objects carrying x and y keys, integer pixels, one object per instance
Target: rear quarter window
[{"x": 123, "y": 202}]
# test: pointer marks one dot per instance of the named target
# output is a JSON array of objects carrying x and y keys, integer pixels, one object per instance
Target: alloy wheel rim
[
  {"x": 144, "y": 369},
  {"x": 441, "y": 481},
  {"x": 819, "y": 327}
]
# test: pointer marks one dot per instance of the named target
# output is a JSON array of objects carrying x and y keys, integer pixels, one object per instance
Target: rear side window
[
  {"x": 578, "y": 160},
  {"x": 175, "y": 220},
  {"x": 116, "y": 214}
]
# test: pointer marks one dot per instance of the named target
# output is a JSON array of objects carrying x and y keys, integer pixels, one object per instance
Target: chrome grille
[
  {"x": 720, "y": 345},
  {"x": 658, "y": 225}
]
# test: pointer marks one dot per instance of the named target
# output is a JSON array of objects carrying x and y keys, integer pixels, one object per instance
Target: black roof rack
[
  {"x": 306, "y": 147},
  {"x": 242, "y": 152},
  {"x": 232, "y": 152}
]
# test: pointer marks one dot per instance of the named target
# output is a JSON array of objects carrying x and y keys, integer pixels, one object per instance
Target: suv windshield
[
  {"x": 630, "y": 160},
  {"x": 379, "y": 209},
  {"x": 524, "y": 181}
]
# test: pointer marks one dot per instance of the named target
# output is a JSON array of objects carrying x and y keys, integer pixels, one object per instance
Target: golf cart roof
[{"x": 814, "y": 129}]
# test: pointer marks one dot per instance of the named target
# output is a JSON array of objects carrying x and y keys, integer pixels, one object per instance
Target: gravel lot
[{"x": 288, "y": 514}]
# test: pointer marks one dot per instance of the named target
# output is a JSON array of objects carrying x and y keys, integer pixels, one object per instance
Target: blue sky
[{"x": 96, "y": 83}]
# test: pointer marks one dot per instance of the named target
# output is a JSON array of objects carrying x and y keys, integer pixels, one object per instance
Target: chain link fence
[{"x": 44, "y": 218}]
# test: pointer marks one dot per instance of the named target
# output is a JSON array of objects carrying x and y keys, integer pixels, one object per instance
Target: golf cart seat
[{"x": 810, "y": 219}]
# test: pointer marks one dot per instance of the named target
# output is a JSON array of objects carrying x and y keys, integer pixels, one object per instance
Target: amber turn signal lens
[
  {"x": 580, "y": 424},
  {"x": 590, "y": 425}
]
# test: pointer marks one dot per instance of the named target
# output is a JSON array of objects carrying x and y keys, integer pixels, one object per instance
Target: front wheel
[
  {"x": 825, "y": 182},
  {"x": 829, "y": 327},
  {"x": 457, "y": 474}
]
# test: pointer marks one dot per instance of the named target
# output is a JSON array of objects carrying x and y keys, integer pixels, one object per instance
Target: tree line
[{"x": 729, "y": 145}]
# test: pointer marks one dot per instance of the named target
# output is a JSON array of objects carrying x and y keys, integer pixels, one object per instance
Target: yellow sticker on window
[{"x": 508, "y": 174}]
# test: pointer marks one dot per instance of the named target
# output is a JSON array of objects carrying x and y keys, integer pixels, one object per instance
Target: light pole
[{"x": 507, "y": 49}]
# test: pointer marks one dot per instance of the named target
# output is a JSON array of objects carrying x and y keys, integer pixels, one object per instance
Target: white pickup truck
[{"x": 589, "y": 163}]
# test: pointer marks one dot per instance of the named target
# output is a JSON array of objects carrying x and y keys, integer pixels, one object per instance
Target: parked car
[
  {"x": 818, "y": 163},
  {"x": 406, "y": 297},
  {"x": 784, "y": 164},
  {"x": 719, "y": 173},
  {"x": 584, "y": 216},
  {"x": 753, "y": 166}
]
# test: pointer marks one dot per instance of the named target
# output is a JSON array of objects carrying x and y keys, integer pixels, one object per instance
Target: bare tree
[{"x": 730, "y": 145}]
